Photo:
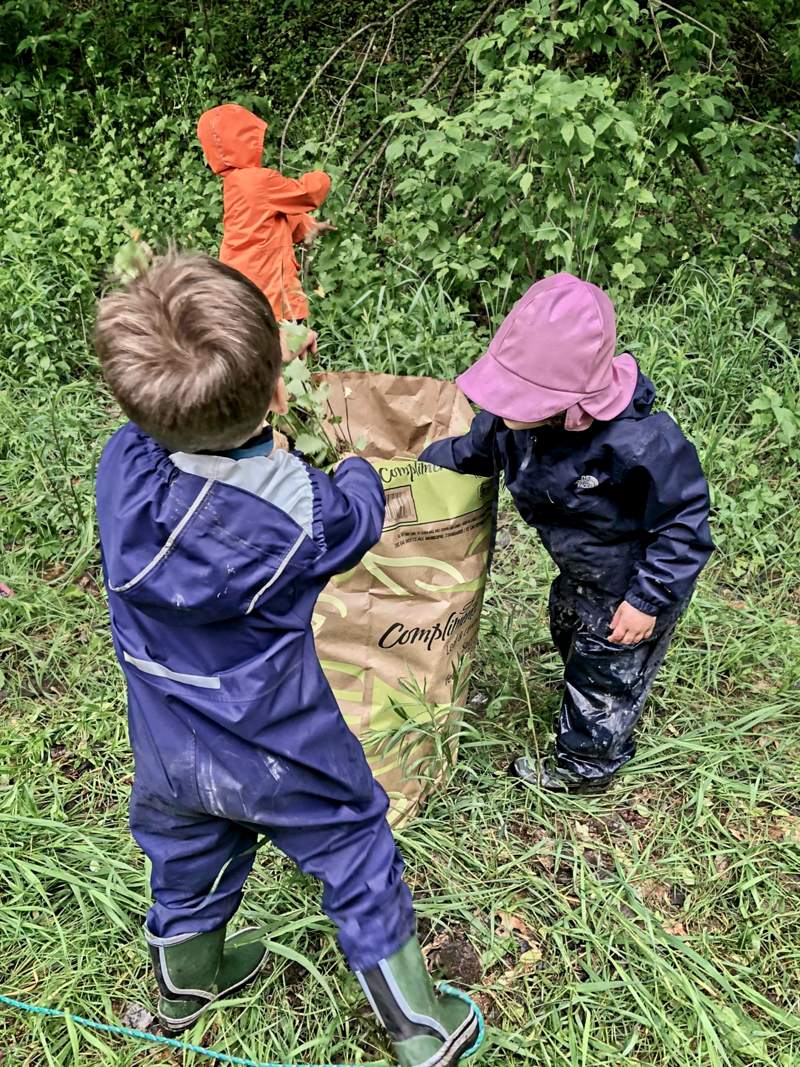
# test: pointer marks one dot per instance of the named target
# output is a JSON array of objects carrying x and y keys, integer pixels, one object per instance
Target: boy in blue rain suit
[{"x": 215, "y": 548}]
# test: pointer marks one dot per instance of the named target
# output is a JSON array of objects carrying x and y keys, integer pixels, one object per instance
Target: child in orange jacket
[{"x": 265, "y": 214}]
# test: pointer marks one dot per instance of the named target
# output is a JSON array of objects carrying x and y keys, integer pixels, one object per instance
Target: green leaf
[
  {"x": 296, "y": 336},
  {"x": 395, "y": 149},
  {"x": 525, "y": 182},
  {"x": 622, "y": 271},
  {"x": 627, "y": 131},
  {"x": 296, "y": 372},
  {"x": 501, "y": 120},
  {"x": 568, "y": 132},
  {"x": 788, "y": 423},
  {"x": 311, "y": 444},
  {"x": 586, "y": 135}
]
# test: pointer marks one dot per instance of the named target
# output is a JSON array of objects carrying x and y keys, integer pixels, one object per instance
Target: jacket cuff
[
  {"x": 641, "y": 604},
  {"x": 356, "y": 468}
]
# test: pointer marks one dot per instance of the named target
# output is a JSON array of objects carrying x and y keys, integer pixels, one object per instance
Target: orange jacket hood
[{"x": 231, "y": 137}]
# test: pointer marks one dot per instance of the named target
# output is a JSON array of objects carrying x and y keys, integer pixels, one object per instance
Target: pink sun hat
[{"x": 554, "y": 352}]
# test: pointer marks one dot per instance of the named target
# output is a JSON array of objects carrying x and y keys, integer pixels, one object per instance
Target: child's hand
[
  {"x": 629, "y": 625},
  {"x": 319, "y": 228}
]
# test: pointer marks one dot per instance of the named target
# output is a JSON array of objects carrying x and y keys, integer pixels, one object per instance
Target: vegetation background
[{"x": 474, "y": 145}]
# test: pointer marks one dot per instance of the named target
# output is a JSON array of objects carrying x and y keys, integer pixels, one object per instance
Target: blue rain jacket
[
  {"x": 621, "y": 507},
  {"x": 213, "y": 565}
]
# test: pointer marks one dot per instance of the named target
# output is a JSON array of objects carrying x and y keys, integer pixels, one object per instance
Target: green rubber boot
[
  {"x": 429, "y": 1027},
  {"x": 194, "y": 970}
]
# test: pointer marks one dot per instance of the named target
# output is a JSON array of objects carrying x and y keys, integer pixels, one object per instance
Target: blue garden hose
[
  {"x": 142, "y": 1035},
  {"x": 220, "y": 1057}
]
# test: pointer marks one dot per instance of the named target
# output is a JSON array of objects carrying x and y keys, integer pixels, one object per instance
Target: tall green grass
[{"x": 661, "y": 923}]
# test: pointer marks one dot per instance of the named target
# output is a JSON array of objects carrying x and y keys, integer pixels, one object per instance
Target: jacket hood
[
  {"x": 180, "y": 546},
  {"x": 641, "y": 403},
  {"x": 231, "y": 137}
]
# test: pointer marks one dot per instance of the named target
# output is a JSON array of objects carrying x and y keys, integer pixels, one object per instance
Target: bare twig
[
  {"x": 768, "y": 126},
  {"x": 690, "y": 18},
  {"x": 336, "y": 52},
  {"x": 684, "y": 15},
  {"x": 654, "y": 17},
  {"x": 380, "y": 195},
  {"x": 454, "y": 91},
  {"x": 429, "y": 83},
  {"x": 372, "y": 137},
  {"x": 384, "y": 57},
  {"x": 338, "y": 111}
]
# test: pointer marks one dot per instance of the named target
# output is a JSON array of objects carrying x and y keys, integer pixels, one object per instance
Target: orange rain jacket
[{"x": 265, "y": 214}]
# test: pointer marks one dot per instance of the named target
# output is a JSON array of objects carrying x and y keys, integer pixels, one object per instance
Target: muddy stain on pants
[{"x": 605, "y": 684}]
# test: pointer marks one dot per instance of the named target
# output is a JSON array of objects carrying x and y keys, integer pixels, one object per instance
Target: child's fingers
[
  {"x": 622, "y": 633},
  {"x": 633, "y": 637},
  {"x": 618, "y": 634}
]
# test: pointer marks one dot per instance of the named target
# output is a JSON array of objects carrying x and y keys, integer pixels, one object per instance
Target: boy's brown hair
[{"x": 191, "y": 351}]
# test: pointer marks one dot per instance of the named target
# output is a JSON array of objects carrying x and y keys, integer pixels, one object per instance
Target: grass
[{"x": 656, "y": 925}]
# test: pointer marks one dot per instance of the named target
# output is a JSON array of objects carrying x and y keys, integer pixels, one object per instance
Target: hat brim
[{"x": 500, "y": 391}]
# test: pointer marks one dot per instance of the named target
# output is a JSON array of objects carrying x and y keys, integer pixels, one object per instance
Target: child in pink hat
[{"x": 618, "y": 497}]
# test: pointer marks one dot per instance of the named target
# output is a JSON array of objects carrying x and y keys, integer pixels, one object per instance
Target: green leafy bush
[{"x": 610, "y": 174}]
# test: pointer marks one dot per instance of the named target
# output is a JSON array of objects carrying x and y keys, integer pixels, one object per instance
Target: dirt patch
[
  {"x": 88, "y": 582},
  {"x": 69, "y": 763},
  {"x": 48, "y": 689},
  {"x": 602, "y": 863},
  {"x": 454, "y": 956},
  {"x": 634, "y": 818}
]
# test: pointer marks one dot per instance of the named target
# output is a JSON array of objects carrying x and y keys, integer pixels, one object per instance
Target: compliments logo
[
  {"x": 407, "y": 470},
  {"x": 398, "y": 634}
]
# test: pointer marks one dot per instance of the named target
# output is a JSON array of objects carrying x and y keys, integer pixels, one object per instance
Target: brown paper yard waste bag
[{"x": 396, "y": 633}]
